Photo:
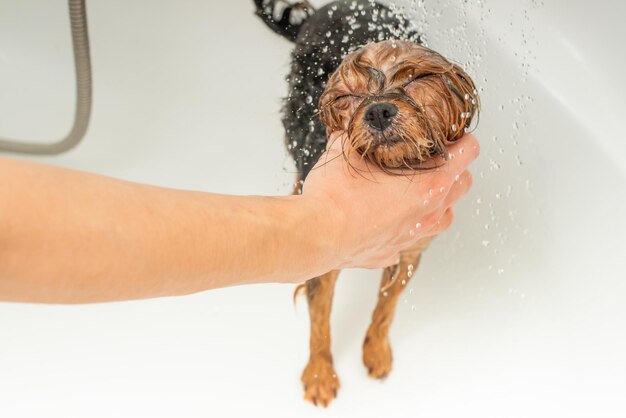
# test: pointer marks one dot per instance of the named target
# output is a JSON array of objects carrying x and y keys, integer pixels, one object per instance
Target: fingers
[
  {"x": 460, "y": 155},
  {"x": 443, "y": 223},
  {"x": 458, "y": 188}
]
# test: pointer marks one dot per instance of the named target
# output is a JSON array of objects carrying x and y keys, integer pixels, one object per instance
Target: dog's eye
[
  {"x": 346, "y": 100},
  {"x": 413, "y": 78}
]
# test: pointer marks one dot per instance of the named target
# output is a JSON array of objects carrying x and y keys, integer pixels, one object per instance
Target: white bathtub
[{"x": 518, "y": 311}]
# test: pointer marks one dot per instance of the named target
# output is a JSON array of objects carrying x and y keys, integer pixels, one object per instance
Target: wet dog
[{"x": 359, "y": 67}]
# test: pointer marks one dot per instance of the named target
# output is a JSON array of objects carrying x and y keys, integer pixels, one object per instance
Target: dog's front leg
[
  {"x": 377, "y": 355},
  {"x": 319, "y": 378}
]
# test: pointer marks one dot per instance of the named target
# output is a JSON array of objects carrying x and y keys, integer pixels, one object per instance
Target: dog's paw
[
  {"x": 377, "y": 356},
  {"x": 320, "y": 381}
]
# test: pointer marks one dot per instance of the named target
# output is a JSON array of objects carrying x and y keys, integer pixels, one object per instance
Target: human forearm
[
  {"x": 71, "y": 237},
  {"x": 78, "y": 237}
]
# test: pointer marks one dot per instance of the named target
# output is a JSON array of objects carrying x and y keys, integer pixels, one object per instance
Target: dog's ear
[
  {"x": 348, "y": 79},
  {"x": 445, "y": 93},
  {"x": 326, "y": 110},
  {"x": 463, "y": 103}
]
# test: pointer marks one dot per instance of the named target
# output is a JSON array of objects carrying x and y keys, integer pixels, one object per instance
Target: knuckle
[
  {"x": 476, "y": 146},
  {"x": 447, "y": 219},
  {"x": 469, "y": 179},
  {"x": 431, "y": 219}
]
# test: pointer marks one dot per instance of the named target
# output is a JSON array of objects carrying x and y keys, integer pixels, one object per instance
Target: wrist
[{"x": 318, "y": 231}]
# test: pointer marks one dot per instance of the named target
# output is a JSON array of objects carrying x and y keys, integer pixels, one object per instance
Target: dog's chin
[{"x": 390, "y": 151}]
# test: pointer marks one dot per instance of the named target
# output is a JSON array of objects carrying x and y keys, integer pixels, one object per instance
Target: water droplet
[
  {"x": 453, "y": 127},
  {"x": 418, "y": 225},
  {"x": 462, "y": 150},
  {"x": 486, "y": 243},
  {"x": 431, "y": 192},
  {"x": 309, "y": 99},
  {"x": 442, "y": 189},
  {"x": 466, "y": 97},
  {"x": 425, "y": 202},
  {"x": 457, "y": 177},
  {"x": 413, "y": 308},
  {"x": 403, "y": 282}
]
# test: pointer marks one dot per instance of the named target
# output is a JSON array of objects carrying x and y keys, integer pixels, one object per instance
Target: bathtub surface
[{"x": 517, "y": 311}]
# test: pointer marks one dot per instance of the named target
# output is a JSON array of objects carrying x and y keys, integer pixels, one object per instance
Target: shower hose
[{"x": 82, "y": 64}]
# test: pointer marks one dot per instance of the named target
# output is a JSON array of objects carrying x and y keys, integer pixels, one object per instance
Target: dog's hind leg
[
  {"x": 319, "y": 378},
  {"x": 377, "y": 355}
]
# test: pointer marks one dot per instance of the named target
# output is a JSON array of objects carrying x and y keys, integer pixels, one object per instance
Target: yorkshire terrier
[{"x": 359, "y": 67}]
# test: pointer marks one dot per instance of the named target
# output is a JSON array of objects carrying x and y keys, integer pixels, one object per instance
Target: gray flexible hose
[{"x": 82, "y": 64}]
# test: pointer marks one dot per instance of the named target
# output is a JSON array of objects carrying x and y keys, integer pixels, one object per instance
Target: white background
[{"x": 518, "y": 311}]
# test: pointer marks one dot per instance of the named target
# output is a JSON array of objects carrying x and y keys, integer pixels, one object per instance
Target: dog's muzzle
[{"x": 380, "y": 115}]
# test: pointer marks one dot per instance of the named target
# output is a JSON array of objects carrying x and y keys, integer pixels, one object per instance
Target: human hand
[{"x": 374, "y": 215}]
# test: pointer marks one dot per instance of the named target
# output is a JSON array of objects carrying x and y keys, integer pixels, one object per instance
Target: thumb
[
  {"x": 334, "y": 149},
  {"x": 336, "y": 142}
]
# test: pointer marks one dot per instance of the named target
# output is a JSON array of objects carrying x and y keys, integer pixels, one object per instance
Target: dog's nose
[{"x": 379, "y": 115}]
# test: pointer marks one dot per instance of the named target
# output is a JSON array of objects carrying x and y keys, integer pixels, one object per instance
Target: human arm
[{"x": 72, "y": 237}]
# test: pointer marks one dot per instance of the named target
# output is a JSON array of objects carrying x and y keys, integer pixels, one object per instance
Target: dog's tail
[
  {"x": 283, "y": 17},
  {"x": 301, "y": 289}
]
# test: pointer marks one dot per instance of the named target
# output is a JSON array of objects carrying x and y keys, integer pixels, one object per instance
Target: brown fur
[
  {"x": 436, "y": 102},
  {"x": 319, "y": 378}
]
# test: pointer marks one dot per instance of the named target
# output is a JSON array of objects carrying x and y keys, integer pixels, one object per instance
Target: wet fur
[
  {"x": 314, "y": 58},
  {"x": 331, "y": 83}
]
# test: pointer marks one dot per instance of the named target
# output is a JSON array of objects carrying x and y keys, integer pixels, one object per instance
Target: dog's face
[{"x": 401, "y": 103}]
